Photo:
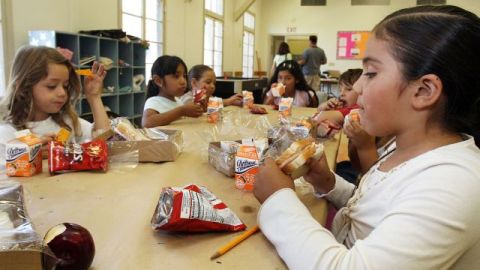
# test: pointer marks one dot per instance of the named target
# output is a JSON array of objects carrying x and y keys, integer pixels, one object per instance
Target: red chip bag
[
  {"x": 77, "y": 157},
  {"x": 193, "y": 209}
]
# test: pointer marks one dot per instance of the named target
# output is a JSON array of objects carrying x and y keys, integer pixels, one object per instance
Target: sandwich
[{"x": 292, "y": 160}]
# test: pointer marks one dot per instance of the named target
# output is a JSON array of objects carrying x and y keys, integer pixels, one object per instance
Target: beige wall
[{"x": 325, "y": 21}]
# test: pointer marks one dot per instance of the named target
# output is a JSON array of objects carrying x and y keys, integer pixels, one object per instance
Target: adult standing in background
[
  {"x": 312, "y": 58},
  {"x": 283, "y": 54}
]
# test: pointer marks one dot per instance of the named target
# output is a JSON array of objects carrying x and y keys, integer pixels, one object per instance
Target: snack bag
[
  {"x": 354, "y": 115},
  {"x": 214, "y": 109},
  {"x": 285, "y": 107},
  {"x": 77, "y": 157},
  {"x": 24, "y": 154},
  {"x": 199, "y": 95},
  {"x": 193, "y": 208},
  {"x": 247, "y": 99},
  {"x": 246, "y": 167}
]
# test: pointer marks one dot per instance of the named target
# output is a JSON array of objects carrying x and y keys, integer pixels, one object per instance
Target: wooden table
[{"x": 116, "y": 207}]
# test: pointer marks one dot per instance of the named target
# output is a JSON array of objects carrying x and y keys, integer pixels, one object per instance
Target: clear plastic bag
[{"x": 16, "y": 229}]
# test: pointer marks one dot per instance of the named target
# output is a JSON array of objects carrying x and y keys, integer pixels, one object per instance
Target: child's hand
[
  {"x": 235, "y": 100},
  {"x": 319, "y": 175},
  {"x": 331, "y": 104},
  {"x": 192, "y": 110},
  {"x": 93, "y": 84},
  {"x": 45, "y": 139},
  {"x": 270, "y": 179},
  {"x": 357, "y": 135}
]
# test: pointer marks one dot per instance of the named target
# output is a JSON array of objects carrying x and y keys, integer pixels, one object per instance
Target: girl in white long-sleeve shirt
[{"x": 416, "y": 208}]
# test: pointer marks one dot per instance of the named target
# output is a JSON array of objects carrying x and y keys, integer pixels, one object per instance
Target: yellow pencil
[{"x": 235, "y": 241}]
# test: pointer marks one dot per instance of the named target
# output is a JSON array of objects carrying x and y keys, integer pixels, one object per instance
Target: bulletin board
[{"x": 351, "y": 44}]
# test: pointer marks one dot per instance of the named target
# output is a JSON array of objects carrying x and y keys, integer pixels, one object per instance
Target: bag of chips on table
[
  {"x": 77, "y": 157},
  {"x": 193, "y": 208}
]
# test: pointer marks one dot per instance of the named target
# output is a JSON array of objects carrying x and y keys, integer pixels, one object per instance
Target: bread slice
[{"x": 292, "y": 161}]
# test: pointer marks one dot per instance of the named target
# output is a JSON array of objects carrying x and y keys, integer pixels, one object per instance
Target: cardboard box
[
  {"x": 26, "y": 260},
  {"x": 149, "y": 151}
]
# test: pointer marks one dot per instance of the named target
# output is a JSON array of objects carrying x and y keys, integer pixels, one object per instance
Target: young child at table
[
  {"x": 167, "y": 85},
  {"x": 334, "y": 110},
  {"x": 290, "y": 75},
  {"x": 417, "y": 207},
  {"x": 203, "y": 77},
  {"x": 42, "y": 90}
]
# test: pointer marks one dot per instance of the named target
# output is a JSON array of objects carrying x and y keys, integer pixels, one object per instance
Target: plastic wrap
[
  {"x": 302, "y": 127},
  {"x": 252, "y": 126},
  {"x": 16, "y": 229}
]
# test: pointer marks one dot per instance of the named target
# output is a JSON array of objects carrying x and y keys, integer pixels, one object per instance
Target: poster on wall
[{"x": 351, "y": 44}]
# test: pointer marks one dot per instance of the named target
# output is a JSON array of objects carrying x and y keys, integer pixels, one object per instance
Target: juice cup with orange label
[
  {"x": 246, "y": 167},
  {"x": 24, "y": 155}
]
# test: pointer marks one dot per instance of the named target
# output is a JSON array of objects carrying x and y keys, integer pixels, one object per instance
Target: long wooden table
[{"x": 116, "y": 207}]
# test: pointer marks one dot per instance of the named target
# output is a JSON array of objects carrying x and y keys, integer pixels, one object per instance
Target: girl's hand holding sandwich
[{"x": 270, "y": 178}]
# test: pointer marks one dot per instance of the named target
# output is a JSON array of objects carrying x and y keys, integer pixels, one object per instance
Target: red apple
[{"x": 72, "y": 244}]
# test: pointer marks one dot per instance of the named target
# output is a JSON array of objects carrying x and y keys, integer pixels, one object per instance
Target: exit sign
[{"x": 291, "y": 29}]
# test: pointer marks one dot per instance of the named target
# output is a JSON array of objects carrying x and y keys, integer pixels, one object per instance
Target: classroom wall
[
  {"x": 184, "y": 24},
  {"x": 326, "y": 21}
]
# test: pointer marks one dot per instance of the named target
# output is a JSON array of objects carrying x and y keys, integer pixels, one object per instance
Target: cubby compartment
[
  {"x": 112, "y": 103},
  {"x": 88, "y": 50},
  {"x": 138, "y": 55},
  {"x": 125, "y": 54},
  {"x": 110, "y": 83},
  {"x": 109, "y": 49},
  {"x": 125, "y": 80},
  {"x": 139, "y": 76},
  {"x": 126, "y": 104}
]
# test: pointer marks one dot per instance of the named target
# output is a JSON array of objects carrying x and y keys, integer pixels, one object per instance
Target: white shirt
[
  {"x": 187, "y": 97},
  {"x": 422, "y": 215},
  {"x": 162, "y": 104},
  {"x": 279, "y": 58},
  {"x": 43, "y": 127}
]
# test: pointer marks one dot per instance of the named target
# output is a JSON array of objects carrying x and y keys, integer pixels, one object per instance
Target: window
[
  {"x": 213, "y": 36},
  {"x": 144, "y": 19},
  {"x": 2, "y": 60},
  {"x": 248, "y": 44}
]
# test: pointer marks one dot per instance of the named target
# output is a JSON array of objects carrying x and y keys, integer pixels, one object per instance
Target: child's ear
[
  {"x": 158, "y": 81},
  {"x": 428, "y": 90},
  {"x": 194, "y": 83}
]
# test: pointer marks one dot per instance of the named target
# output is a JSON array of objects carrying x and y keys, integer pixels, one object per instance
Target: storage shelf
[{"x": 128, "y": 103}]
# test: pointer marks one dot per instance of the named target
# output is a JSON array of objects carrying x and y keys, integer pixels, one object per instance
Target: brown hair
[
  {"x": 350, "y": 76},
  {"x": 30, "y": 66}
]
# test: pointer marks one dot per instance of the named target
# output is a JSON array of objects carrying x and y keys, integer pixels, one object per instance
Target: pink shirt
[{"x": 301, "y": 98}]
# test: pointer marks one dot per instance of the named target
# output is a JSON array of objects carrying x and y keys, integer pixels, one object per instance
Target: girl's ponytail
[{"x": 152, "y": 89}]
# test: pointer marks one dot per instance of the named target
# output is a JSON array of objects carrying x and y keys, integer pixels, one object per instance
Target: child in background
[
  {"x": 203, "y": 77},
  {"x": 168, "y": 83},
  {"x": 290, "y": 75},
  {"x": 283, "y": 54},
  {"x": 417, "y": 207},
  {"x": 42, "y": 90},
  {"x": 334, "y": 110}
]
